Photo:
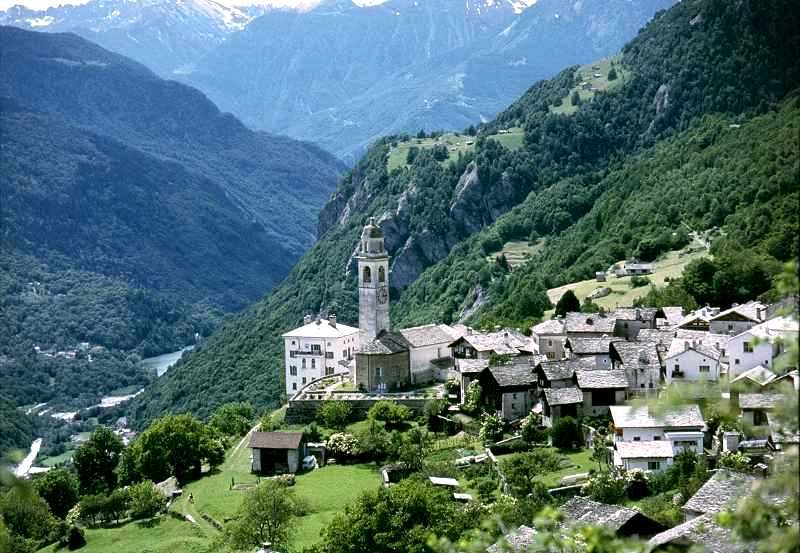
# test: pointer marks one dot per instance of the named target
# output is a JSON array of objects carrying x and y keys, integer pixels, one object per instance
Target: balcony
[{"x": 299, "y": 353}]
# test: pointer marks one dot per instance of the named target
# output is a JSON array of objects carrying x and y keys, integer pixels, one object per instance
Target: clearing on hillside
[
  {"x": 518, "y": 252},
  {"x": 591, "y": 78}
]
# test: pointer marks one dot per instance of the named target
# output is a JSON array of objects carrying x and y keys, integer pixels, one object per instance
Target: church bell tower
[{"x": 373, "y": 282}]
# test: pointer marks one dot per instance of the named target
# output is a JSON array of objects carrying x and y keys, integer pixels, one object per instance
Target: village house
[
  {"x": 738, "y": 318},
  {"x": 382, "y": 364},
  {"x": 476, "y": 345},
  {"x": 276, "y": 452},
  {"x": 588, "y": 325},
  {"x": 703, "y": 532},
  {"x": 597, "y": 350},
  {"x": 649, "y": 441},
  {"x": 561, "y": 402},
  {"x": 720, "y": 492},
  {"x": 635, "y": 268},
  {"x": 623, "y": 521},
  {"x": 558, "y": 374},
  {"x": 429, "y": 351},
  {"x": 699, "y": 319},
  {"x": 691, "y": 362},
  {"x": 316, "y": 349},
  {"x": 753, "y": 380},
  {"x": 756, "y": 407},
  {"x": 629, "y": 321},
  {"x": 510, "y": 388},
  {"x": 760, "y": 345},
  {"x": 601, "y": 389},
  {"x": 469, "y": 370},
  {"x": 641, "y": 364},
  {"x": 548, "y": 338}
]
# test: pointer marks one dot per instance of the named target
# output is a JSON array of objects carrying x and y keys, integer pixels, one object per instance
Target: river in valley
[{"x": 163, "y": 362}]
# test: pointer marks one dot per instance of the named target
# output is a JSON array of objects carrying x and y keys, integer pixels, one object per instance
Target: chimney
[
  {"x": 760, "y": 313},
  {"x": 332, "y": 320},
  {"x": 307, "y": 319}
]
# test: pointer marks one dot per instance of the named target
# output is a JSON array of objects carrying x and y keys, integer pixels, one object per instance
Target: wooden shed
[{"x": 276, "y": 452}]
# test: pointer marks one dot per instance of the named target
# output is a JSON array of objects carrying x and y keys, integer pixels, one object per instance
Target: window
[
  {"x": 304, "y": 363},
  {"x": 730, "y": 327},
  {"x": 653, "y": 465},
  {"x": 304, "y": 380},
  {"x": 704, "y": 368},
  {"x": 328, "y": 355},
  {"x": 294, "y": 385},
  {"x": 328, "y": 371},
  {"x": 292, "y": 371},
  {"x": 292, "y": 342},
  {"x": 637, "y": 439},
  {"x": 381, "y": 274},
  {"x": 549, "y": 342},
  {"x": 292, "y": 353},
  {"x": 736, "y": 362},
  {"x": 677, "y": 367},
  {"x": 656, "y": 438},
  {"x": 313, "y": 363},
  {"x": 514, "y": 395},
  {"x": 747, "y": 347},
  {"x": 329, "y": 344},
  {"x": 378, "y": 372},
  {"x": 650, "y": 385},
  {"x": 316, "y": 348},
  {"x": 367, "y": 275}
]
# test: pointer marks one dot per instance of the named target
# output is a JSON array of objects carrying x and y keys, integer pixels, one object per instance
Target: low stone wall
[{"x": 304, "y": 411}]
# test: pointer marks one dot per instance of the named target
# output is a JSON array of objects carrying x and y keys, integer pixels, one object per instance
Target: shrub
[
  {"x": 567, "y": 303},
  {"x": 233, "y": 419},
  {"x": 452, "y": 386},
  {"x": 473, "y": 400},
  {"x": 606, "y": 487},
  {"x": 532, "y": 431},
  {"x": 312, "y": 432},
  {"x": 566, "y": 433},
  {"x": 434, "y": 409},
  {"x": 146, "y": 500},
  {"x": 73, "y": 538},
  {"x": 491, "y": 427},
  {"x": 637, "y": 484},
  {"x": 639, "y": 281},
  {"x": 343, "y": 445},
  {"x": 736, "y": 461},
  {"x": 390, "y": 412},
  {"x": 335, "y": 414}
]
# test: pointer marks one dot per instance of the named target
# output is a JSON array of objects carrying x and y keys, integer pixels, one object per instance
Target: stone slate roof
[
  {"x": 585, "y": 510},
  {"x": 472, "y": 366},
  {"x": 721, "y": 491},
  {"x": 674, "y": 314},
  {"x": 771, "y": 330},
  {"x": 760, "y": 401},
  {"x": 747, "y": 310},
  {"x": 636, "y": 354},
  {"x": 563, "y": 396},
  {"x": 655, "y": 449},
  {"x": 385, "y": 343},
  {"x": 637, "y": 313},
  {"x": 503, "y": 342},
  {"x": 681, "y": 416},
  {"x": 275, "y": 440},
  {"x": 599, "y": 379},
  {"x": 576, "y": 323},
  {"x": 758, "y": 374},
  {"x": 588, "y": 346},
  {"x": 426, "y": 335},
  {"x": 702, "y": 531},
  {"x": 558, "y": 370},
  {"x": 512, "y": 375},
  {"x": 553, "y": 326},
  {"x": 518, "y": 540}
]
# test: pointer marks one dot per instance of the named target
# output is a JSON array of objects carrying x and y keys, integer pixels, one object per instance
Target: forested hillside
[
  {"x": 134, "y": 214},
  {"x": 684, "y": 141}
]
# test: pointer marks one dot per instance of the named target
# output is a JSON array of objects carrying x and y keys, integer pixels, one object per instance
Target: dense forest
[{"x": 685, "y": 141}]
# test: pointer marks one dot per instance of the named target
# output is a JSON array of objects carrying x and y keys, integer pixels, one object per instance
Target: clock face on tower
[{"x": 383, "y": 295}]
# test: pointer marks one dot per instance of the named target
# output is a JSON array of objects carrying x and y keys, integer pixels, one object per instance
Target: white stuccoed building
[{"x": 316, "y": 349}]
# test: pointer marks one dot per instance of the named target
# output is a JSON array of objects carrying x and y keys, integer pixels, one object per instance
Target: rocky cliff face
[{"x": 473, "y": 206}]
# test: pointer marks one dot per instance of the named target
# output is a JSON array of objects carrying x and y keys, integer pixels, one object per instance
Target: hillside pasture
[{"x": 586, "y": 73}]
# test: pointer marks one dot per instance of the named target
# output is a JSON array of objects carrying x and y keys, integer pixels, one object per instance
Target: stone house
[
  {"x": 477, "y": 345},
  {"x": 641, "y": 363},
  {"x": 601, "y": 389},
  {"x": 588, "y": 325},
  {"x": 760, "y": 345},
  {"x": 382, "y": 364},
  {"x": 469, "y": 370},
  {"x": 430, "y": 356},
  {"x": 720, "y": 492},
  {"x": 548, "y": 338},
  {"x": 630, "y": 320},
  {"x": 738, "y": 318},
  {"x": 276, "y": 452},
  {"x": 510, "y": 388},
  {"x": 561, "y": 402},
  {"x": 754, "y": 408},
  {"x": 593, "y": 349},
  {"x": 623, "y": 521}
]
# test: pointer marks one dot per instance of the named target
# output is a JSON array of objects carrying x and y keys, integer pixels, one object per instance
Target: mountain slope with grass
[{"x": 587, "y": 188}]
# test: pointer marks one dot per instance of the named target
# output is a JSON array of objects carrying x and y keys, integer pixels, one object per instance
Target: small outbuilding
[{"x": 276, "y": 452}]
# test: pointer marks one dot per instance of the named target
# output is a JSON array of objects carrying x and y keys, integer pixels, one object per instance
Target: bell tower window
[
  {"x": 381, "y": 274},
  {"x": 367, "y": 275}
]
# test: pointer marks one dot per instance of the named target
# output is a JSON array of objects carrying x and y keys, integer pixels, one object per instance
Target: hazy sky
[{"x": 303, "y": 4}]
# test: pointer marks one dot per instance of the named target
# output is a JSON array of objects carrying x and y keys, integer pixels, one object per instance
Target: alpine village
[{"x": 397, "y": 276}]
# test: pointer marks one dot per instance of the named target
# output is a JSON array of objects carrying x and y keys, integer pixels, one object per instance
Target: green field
[
  {"x": 580, "y": 462},
  {"x": 586, "y": 73},
  {"x": 671, "y": 266},
  {"x": 56, "y": 459},
  {"x": 512, "y": 139},
  {"x": 518, "y": 252}
]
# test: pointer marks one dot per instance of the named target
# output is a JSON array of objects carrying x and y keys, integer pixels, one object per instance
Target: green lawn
[
  {"x": 56, "y": 459},
  {"x": 580, "y": 459},
  {"x": 514, "y": 139},
  {"x": 166, "y": 535},
  {"x": 670, "y": 265},
  {"x": 454, "y": 143}
]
